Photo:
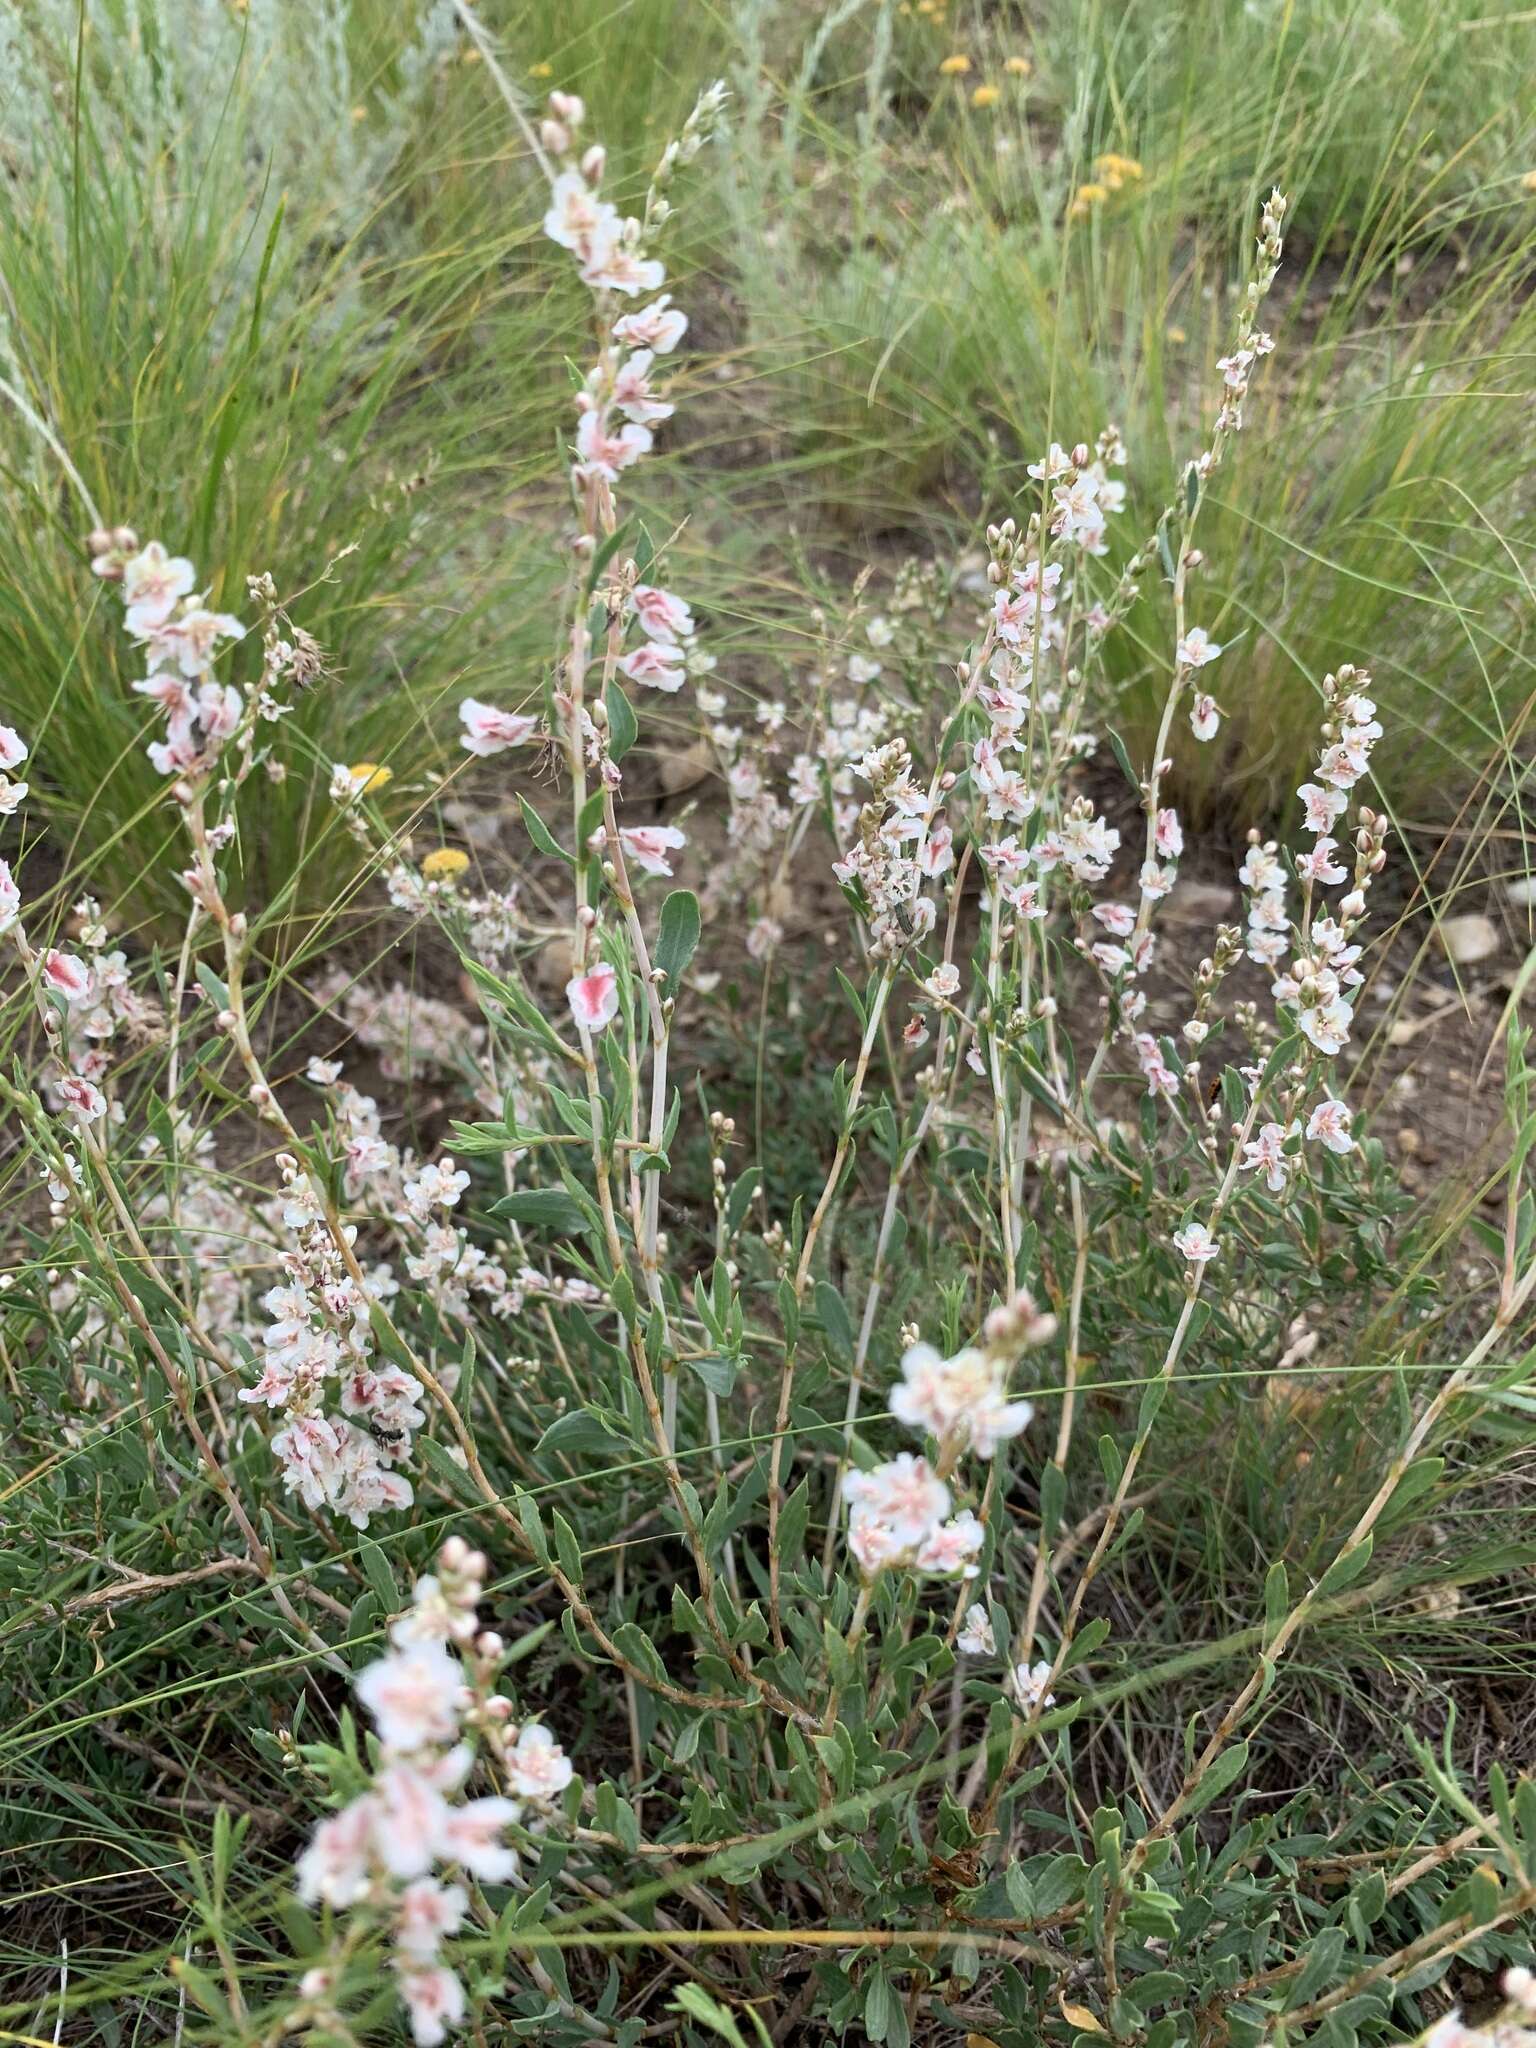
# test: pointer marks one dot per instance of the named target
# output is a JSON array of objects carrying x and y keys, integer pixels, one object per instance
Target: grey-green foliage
[{"x": 319, "y": 106}]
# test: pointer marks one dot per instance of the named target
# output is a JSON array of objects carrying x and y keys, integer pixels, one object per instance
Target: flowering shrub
[{"x": 846, "y": 1697}]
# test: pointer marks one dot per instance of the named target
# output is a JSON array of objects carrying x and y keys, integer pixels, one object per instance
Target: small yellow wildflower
[
  {"x": 1085, "y": 199},
  {"x": 1177, "y": 335},
  {"x": 370, "y": 777},
  {"x": 1528, "y": 182},
  {"x": 541, "y": 70},
  {"x": 986, "y": 96},
  {"x": 445, "y": 864},
  {"x": 956, "y": 66},
  {"x": 1115, "y": 171},
  {"x": 1018, "y": 67}
]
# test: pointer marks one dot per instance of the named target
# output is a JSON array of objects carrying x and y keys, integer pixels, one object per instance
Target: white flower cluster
[
  {"x": 412, "y": 1033},
  {"x": 319, "y": 1333},
  {"x": 13, "y": 751},
  {"x": 412, "y": 1200},
  {"x": 899, "y": 1517},
  {"x": 899, "y": 1513},
  {"x": 1026, "y": 1683},
  {"x": 181, "y": 638},
  {"x": 405, "y": 1851},
  {"x": 903, "y": 844},
  {"x": 850, "y": 718},
  {"x": 1032, "y": 718},
  {"x": 1322, "y": 978},
  {"x": 618, "y": 405},
  {"x": 83, "y": 1002}
]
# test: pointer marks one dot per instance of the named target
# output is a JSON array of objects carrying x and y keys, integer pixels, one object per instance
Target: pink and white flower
[
  {"x": 153, "y": 582},
  {"x": 1196, "y": 1244},
  {"x": 412, "y": 1695},
  {"x": 336, "y": 1867},
  {"x": 82, "y": 1096},
  {"x": 434, "y": 1998},
  {"x": 1318, "y": 865},
  {"x": 1266, "y": 1154},
  {"x": 1327, "y": 1024},
  {"x": 1205, "y": 718},
  {"x": 604, "y": 454},
  {"x": 13, "y": 749},
  {"x": 1027, "y": 1683},
  {"x": 192, "y": 640},
  {"x": 426, "y": 1913},
  {"x": 659, "y": 326},
  {"x": 1323, "y": 807},
  {"x": 594, "y": 997},
  {"x": 1329, "y": 1125},
  {"x": 10, "y": 897},
  {"x": 904, "y": 1496},
  {"x": 577, "y": 218},
  {"x": 1197, "y": 648},
  {"x": 618, "y": 266},
  {"x": 961, "y": 1401},
  {"x": 632, "y": 392},
  {"x": 471, "y": 1836},
  {"x": 976, "y": 1638},
  {"x": 488, "y": 730},
  {"x": 409, "y": 1818},
  {"x": 664, "y": 616},
  {"x": 67, "y": 975},
  {"x": 655, "y": 665},
  {"x": 648, "y": 846},
  {"x": 537, "y": 1767},
  {"x": 951, "y": 1547}
]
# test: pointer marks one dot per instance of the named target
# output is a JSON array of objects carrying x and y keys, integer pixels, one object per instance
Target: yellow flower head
[
  {"x": 956, "y": 66},
  {"x": 1528, "y": 182},
  {"x": 986, "y": 96},
  {"x": 370, "y": 777},
  {"x": 1018, "y": 67},
  {"x": 445, "y": 864},
  {"x": 541, "y": 70},
  {"x": 1115, "y": 171},
  {"x": 1086, "y": 198}
]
